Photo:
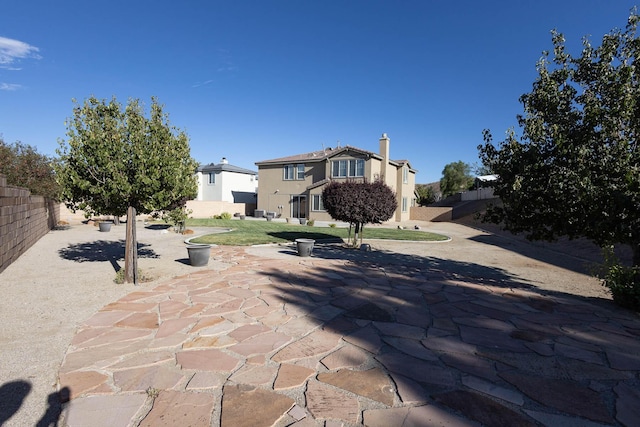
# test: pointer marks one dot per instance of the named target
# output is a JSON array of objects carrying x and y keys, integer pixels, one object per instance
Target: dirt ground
[{"x": 69, "y": 274}]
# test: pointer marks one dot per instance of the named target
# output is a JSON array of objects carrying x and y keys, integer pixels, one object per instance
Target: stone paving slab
[{"x": 335, "y": 340}]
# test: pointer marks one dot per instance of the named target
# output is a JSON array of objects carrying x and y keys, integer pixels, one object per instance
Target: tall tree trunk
[
  {"x": 131, "y": 249},
  {"x": 356, "y": 234}
]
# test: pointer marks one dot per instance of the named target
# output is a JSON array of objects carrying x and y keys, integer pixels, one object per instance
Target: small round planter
[
  {"x": 303, "y": 221},
  {"x": 305, "y": 246},
  {"x": 199, "y": 254},
  {"x": 104, "y": 226}
]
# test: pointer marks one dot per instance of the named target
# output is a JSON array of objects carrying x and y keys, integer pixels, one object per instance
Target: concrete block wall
[
  {"x": 434, "y": 214},
  {"x": 24, "y": 219}
]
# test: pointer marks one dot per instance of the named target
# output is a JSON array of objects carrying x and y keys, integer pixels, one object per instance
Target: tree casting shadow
[
  {"x": 430, "y": 322},
  {"x": 316, "y": 235},
  {"x": 103, "y": 251}
]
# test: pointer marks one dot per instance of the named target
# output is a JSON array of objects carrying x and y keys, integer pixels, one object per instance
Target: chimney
[
  {"x": 224, "y": 161},
  {"x": 384, "y": 149}
]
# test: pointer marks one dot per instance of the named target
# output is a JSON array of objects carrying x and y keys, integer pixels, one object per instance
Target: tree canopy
[
  {"x": 456, "y": 177},
  {"x": 115, "y": 159},
  {"x": 576, "y": 169},
  {"x": 426, "y": 194},
  {"x": 25, "y": 167},
  {"x": 359, "y": 203}
]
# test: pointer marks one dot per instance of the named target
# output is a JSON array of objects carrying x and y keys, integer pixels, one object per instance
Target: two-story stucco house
[
  {"x": 226, "y": 183},
  {"x": 292, "y": 186}
]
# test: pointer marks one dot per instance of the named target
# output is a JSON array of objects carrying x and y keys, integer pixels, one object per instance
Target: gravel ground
[
  {"x": 69, "y": 275},
  {"x": 62, "y": 280}
]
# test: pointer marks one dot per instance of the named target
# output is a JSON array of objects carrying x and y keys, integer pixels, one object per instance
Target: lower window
[{"x": 316, "y": 204}]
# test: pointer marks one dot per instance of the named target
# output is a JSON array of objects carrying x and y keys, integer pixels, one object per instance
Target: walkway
[{"x": 348, "y": 338}]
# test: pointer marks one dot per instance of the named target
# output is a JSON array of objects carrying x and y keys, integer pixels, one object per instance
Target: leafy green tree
[
  {"x": 456, "y": 177},
  {"x": 426, "y": 194},
  {"x": 117, "y": 161},
  {"x": 575, "y": 170},
  {"x": 25, "y": 167},
  {"x": 359, "y": 203},
  {"x": 481, "y": 170}
]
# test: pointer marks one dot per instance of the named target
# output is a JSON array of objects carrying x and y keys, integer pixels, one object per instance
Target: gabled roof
[
  {"x": 319, "y": 184},
  {"x": 317, "y": 156},
  {"x": 401, "y": 163},
  {"x": 224, "y": 167}
]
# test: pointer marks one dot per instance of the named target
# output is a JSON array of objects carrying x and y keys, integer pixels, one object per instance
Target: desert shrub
[
  {"x": 223, "y": 215},
  {"x": 310, "y": 222},
  {"x": 622, "y": 281},
  {"x": 178, "y": 217}
]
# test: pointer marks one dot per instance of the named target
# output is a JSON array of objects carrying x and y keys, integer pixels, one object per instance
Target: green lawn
[{"x": 249, "y": 232}]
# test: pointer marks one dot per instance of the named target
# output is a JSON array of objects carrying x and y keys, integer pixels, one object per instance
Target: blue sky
[{"x": 256, "y": 80}]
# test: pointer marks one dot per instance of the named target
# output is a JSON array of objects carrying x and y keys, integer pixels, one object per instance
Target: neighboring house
[
  {"x": 292, "y": 186},
  {"x": 226, "y": 183}
]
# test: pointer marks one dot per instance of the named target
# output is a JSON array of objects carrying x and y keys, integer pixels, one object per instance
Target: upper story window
[
  {"x": 212, "y": 178},
  {"x": 347, "y": 168},
  {"x": 405, "y": 175},
  {"x": 293, "y": 172}
]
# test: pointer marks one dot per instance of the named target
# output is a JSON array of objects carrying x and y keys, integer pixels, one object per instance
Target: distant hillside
[{"x": 434, "y": 185}]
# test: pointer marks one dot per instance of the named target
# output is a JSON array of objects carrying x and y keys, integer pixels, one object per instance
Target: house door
[{"x": 298, "y": 206}]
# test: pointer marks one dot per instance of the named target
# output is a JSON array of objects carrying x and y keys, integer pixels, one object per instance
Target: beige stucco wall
[
  {"x": 275, "y": 193},
  {"x": 207, "y": 209},
  {"x": 201, "y": 209},
  {"x": 405, "y": 190}
]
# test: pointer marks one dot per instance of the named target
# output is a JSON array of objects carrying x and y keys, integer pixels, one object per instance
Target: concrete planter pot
[
  {"x": 105, "y": 226},
  {"x": 198, "y": 254},
  {"x": 305, "y": 247}
]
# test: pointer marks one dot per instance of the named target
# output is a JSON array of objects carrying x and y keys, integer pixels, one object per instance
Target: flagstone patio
[{"x": 347, "y": 338}]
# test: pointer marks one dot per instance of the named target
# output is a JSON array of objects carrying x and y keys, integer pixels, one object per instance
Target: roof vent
[{"x": 224, "y": 161}]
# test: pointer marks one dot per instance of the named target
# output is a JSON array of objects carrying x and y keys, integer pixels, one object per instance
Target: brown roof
[
  {"x": 402, "y": 163},
  {"x": 316, "y": 156}
]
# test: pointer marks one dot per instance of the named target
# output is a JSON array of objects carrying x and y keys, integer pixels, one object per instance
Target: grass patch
[{"x": 246, "y": 233}]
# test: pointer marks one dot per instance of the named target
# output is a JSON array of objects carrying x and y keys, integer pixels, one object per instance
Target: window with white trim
[
  {"x": 405, "y": 175},
  {"x": 404, "y": 204},
  {"x": 212, "y": 178},
  {"x": 353, "y": 168},
  {"x": 293, "y": 172},
  {"x": 316, "y": 203}
]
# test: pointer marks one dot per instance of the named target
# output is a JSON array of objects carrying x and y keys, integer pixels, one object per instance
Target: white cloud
[
  {"x": 202, "y": 83},
  {"x": 9, "y": 86},
  {"x": 12, "y": 51}
]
